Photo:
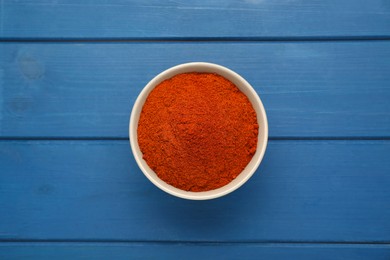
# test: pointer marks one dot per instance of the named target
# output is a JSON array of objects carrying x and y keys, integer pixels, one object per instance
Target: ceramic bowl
[{"x": 244, "y": 86}]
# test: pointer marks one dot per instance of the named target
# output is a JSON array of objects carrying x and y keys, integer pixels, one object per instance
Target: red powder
[{"x": 197, "y": 131}]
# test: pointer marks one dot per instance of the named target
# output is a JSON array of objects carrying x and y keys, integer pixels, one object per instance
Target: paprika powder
[{"x": 197, "y": 131}]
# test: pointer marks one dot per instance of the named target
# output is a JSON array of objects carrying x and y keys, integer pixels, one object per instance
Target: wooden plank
[
  {"x": 191, "y": 251},
  {"x": 178, "y": 19},
  {"x": 309, "y": 89},
  {"x": 316, "y": 191}
]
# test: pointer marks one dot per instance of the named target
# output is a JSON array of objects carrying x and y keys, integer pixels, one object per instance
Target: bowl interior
[{"x": 244, "y": 86}]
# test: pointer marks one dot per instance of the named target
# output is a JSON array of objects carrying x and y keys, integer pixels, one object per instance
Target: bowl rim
[{"x": 133, "y": 138}]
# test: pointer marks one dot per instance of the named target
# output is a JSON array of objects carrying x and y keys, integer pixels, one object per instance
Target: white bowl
[{"x": 244, "y": 86}]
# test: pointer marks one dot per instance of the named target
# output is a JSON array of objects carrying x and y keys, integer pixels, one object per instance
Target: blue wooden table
[{"x": 71, "y": 70}]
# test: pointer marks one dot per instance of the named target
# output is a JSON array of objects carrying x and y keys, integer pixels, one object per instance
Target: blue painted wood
[
  {"x": 309, "y": 89},
  {"x": 311, "y": 191},
  {"x": 314, "y": 191},
  {"x": 151, "y": 19},
  {"x": 191, "y": 251}
]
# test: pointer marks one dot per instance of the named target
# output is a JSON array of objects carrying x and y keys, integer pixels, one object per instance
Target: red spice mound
[{"x": 197, "y": 131}]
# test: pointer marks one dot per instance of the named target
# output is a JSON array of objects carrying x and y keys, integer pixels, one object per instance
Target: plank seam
[
  {"x": 197, "y": 39},
  {"x": 270, "y": 242}
]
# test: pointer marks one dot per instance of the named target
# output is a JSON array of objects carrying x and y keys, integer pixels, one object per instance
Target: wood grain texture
[
  {"x": 179, "y": 19},
  {"x": 309, "y": 89},
  {"x": 320, "y": 67},
  {"x": 191, "y": 251},
  {"x": 316, "y": 191}
]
